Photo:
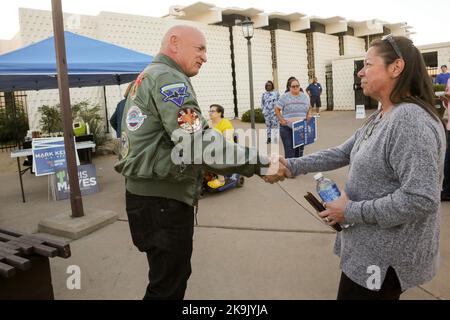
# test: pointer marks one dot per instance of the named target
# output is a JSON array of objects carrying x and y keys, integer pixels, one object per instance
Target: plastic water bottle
[{"x": 327, "y": 190}]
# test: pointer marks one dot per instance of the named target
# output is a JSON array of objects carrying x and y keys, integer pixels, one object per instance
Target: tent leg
[
  {"x": 20, "y": 178},
  {"x": 106, "y": 109}
]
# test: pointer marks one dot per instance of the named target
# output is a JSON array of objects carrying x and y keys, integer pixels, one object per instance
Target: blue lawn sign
[
  {"x": 304, "y": 132},
  {"x": 49, "y": 155},
  {"x": 87, "y": 177}
]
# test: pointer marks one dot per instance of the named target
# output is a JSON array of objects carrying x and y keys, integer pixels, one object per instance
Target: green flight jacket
[{"x": 152, "y": 115}]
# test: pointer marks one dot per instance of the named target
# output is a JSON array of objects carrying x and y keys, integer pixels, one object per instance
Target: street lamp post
[{"x": 247, "y": 31}]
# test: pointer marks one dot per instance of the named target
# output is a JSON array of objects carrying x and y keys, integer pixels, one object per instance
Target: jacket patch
[
  {"x": 188, "y": 120},
  {"x": 124, "y": 145},
  {"x": 175, "y": 93},
  {"x": 135, "y": 118},
  {"x": 137, "y": 83}
]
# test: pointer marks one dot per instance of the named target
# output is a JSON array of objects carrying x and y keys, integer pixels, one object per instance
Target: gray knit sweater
[{"x": 394, "y": 183}]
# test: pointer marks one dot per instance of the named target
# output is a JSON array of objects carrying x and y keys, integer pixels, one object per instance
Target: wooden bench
[{"x": 24, "y": 264}]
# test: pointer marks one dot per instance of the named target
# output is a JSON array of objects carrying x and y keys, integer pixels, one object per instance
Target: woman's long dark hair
[
  {"x": 414, "y": 84},
  {"x": 288, "y": 83}
]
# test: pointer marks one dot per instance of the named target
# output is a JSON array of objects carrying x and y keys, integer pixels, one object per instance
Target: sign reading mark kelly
[
  {"x": 48, "y": 155},
  {"x": 87, "y": 178}
]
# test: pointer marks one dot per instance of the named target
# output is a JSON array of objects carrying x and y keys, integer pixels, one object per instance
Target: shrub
[
  {"x": 259, "y": 117},
  {"x": 438, "y": 87},
  {"x": 13, "y": 129},
  {"x": 91, "y": 116},
  {"x": 51, "y": 119}
]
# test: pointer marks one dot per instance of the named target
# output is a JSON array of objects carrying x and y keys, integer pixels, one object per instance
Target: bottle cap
[{"x": 317, "y": 176}]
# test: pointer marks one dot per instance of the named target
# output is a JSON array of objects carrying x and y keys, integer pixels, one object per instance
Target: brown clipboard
[{"x": 316, "y": 204}]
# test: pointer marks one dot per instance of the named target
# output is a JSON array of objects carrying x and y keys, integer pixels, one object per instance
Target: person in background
[
  {"x": 314, "y": 91},
  {"x": 268, "y": 101},
  {"x": 445, "y": 194},
  {"x": 225, "y": 128},
  {"x": 292, "y": 106},
  {"x": 443, "y": 77},
  {"x": 391, "y": 200},
  {"x": 116, "y": 118}
]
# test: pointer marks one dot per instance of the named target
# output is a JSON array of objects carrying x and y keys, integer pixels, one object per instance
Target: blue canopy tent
[{"x": 90, "y": 62}]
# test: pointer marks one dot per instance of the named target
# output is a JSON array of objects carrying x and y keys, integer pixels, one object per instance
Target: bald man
[{"x": 161, "y": 195}]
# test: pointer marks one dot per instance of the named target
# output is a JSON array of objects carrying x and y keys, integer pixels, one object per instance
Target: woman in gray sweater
[{"x": 392, "y": 196}]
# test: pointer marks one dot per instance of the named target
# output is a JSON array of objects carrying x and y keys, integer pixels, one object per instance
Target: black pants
[
  {"x": 163, "y": 229},
  {"x": 390, "y": 289},
  {"x": 288, "y": 143}
]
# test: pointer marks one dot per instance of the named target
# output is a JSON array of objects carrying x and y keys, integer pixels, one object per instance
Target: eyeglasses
[
  {"x": 390, "y": 38},
  {"x": 212, "y": 111},
  {"x": 295, "y": 86}
]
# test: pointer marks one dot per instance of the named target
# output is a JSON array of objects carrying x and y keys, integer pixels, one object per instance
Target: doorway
[{"x": 360, "y": 98}]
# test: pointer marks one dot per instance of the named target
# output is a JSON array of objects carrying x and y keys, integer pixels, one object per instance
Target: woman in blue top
[
  {"x": 292, "y": 106},
  {"x": 268, "y": 101}
]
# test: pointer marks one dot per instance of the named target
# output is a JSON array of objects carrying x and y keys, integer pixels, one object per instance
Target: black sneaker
[{"x": 269, "y": 141}]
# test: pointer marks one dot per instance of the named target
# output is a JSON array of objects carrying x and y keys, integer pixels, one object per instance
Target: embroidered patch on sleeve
[
  {"x": 188, "y": 120},
  {"x": 135, "y": 118},
  {"x": 175, "y": 93},
  {"x": 124, "y": 145},
  {"x": 137, "y": 83}
]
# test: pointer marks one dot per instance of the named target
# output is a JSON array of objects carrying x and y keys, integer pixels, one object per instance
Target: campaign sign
[
  {"x": 87, "y": 179},
  {"x": 311, "y": 131},
  {"x": 298, "y": 133},
  {"x": 304, "y": 132},
  {"x": 49, "y": 155}
]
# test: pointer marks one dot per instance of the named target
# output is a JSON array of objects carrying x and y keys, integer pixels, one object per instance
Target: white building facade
[{"x": 283, "y": 45}]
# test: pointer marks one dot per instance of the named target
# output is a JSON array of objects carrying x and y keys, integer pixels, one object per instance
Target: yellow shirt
[{"x": 223, "y": 126}]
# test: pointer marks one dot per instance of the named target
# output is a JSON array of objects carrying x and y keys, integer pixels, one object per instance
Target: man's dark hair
[
  {"x": 219, "y": 109},
  {"x": 443, "y": 66}
]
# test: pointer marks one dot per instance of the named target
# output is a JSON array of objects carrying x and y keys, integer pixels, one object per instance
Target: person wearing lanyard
[{"x": 292, "y": 106}]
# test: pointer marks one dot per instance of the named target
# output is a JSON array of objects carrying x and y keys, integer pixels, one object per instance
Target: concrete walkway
[{"x": 258, "y": 242}]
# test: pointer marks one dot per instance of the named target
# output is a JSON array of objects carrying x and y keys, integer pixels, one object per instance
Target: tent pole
[
  {"x": 76, "y": 201},
  {"x": 106, "y": 109}
]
